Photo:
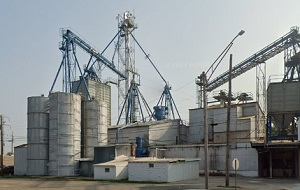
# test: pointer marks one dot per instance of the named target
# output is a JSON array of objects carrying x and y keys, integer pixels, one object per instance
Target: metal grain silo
[
  {"x": 64, "y": 134},
  {"x": 37, "y": 135},
  {"x": 95, "y": 126},
  {"x": 102, "y": 131},
  {"x": 99, "y": 91}
]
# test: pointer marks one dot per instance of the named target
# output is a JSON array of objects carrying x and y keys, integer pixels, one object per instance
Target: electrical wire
[{"x": 184, "y": 86}]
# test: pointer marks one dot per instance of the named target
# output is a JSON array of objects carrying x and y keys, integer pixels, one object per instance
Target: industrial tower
[
  {"x": 130, "y": 99},
  {"x": 126, "y": 62}
]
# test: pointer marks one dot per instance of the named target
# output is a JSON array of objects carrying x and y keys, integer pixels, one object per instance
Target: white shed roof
[{"x": 162, "y": 160}]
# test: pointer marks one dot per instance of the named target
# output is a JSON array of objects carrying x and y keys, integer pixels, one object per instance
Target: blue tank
[
  {"x": 139, "y": 142},
  {"x": 160, "y": 112},
  {"x": 140, "y": 151}
]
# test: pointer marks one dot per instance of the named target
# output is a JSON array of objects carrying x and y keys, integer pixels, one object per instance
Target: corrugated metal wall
[
  {"x": 283, "y": 97},
  {"x": 37, "y": 135},
  {"x": 20, "y": 160}
]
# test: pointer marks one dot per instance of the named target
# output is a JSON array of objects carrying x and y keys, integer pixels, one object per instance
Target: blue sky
[{"x": 183, "y": 38}]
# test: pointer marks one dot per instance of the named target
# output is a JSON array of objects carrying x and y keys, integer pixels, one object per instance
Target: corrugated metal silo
[
  {"x": 102, "y": 132},
  {"x": 91, "y": 123},
  {"x": 37, "y": 135},
  {"x": 95, "y": 126},
  {"x": 64, "y": 134},
  {"x": 99, "y": 91}
]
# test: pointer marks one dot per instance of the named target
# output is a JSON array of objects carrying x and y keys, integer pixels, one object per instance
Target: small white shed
[
  {"x": 163, "y": 170},
  {"x": 112, "y": 170}
]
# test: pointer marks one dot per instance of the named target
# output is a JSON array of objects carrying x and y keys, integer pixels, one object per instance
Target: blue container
[
  {"x": 140, "y": 151},
  {"x": 139, "y": 142},
  {"x": 160, "y": 112}
]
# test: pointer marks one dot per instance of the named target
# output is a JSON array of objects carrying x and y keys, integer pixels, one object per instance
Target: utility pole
[
  {"x": 12, "y": 142},
  {"x": 228, "y": 124},
  {"x": 204, "y": 83},
  {"x": 1, "y": 127}
]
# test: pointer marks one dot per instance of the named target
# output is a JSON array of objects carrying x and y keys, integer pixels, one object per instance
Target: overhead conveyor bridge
[
  {"x": 261, "y": 56},
  {"x": 70, "y": 36}
]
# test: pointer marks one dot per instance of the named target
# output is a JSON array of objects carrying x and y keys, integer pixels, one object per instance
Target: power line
[{"x": 183, "y": 86}]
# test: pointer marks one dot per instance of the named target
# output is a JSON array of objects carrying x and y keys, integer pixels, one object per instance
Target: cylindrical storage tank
[
  {"x": 139, "y": 142},
  {"x": 64, "y": 134},
  {"x": 37, "y": 135},
  {"x": 91, "y": 124},
  {"x": 95, "y": 126},
  {"x": 160, "y": 112},
  {"x": 102, "y": 131}
]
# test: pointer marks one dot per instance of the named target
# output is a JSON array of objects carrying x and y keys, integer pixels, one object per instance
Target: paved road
[{"x": 215, "y": 183}]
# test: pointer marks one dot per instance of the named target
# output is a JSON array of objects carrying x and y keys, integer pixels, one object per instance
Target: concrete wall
[
  {"x": 163, "y": 132},
  {"x": 248, "y": 157},
  {"x": 128, "y": 134},
  {"x": 195, "y": 132},
  {"x": 142, "y": 172},
  {"x": 244, "y": 124},
  {"x": 248, "y": 110},
  {"x": 20, "y": 160},
  {"x": 111, "y": 172},
  {"x": 108, "y": 153},
  {"x": 99, "y": 172}
]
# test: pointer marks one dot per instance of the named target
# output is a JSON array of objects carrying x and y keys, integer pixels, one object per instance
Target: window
[
  {"x": 151, "y": 165},
  {"x": 107, "y": 170}
]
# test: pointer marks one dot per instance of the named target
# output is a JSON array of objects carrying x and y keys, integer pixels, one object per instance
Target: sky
[{"x": 183, "y": 39}]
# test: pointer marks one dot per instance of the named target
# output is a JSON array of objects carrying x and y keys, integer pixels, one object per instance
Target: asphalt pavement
[{"x": 215, "y": 183}]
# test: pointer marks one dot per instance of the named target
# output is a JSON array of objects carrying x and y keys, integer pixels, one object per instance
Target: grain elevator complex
[{"x": 71, "y": 132}]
